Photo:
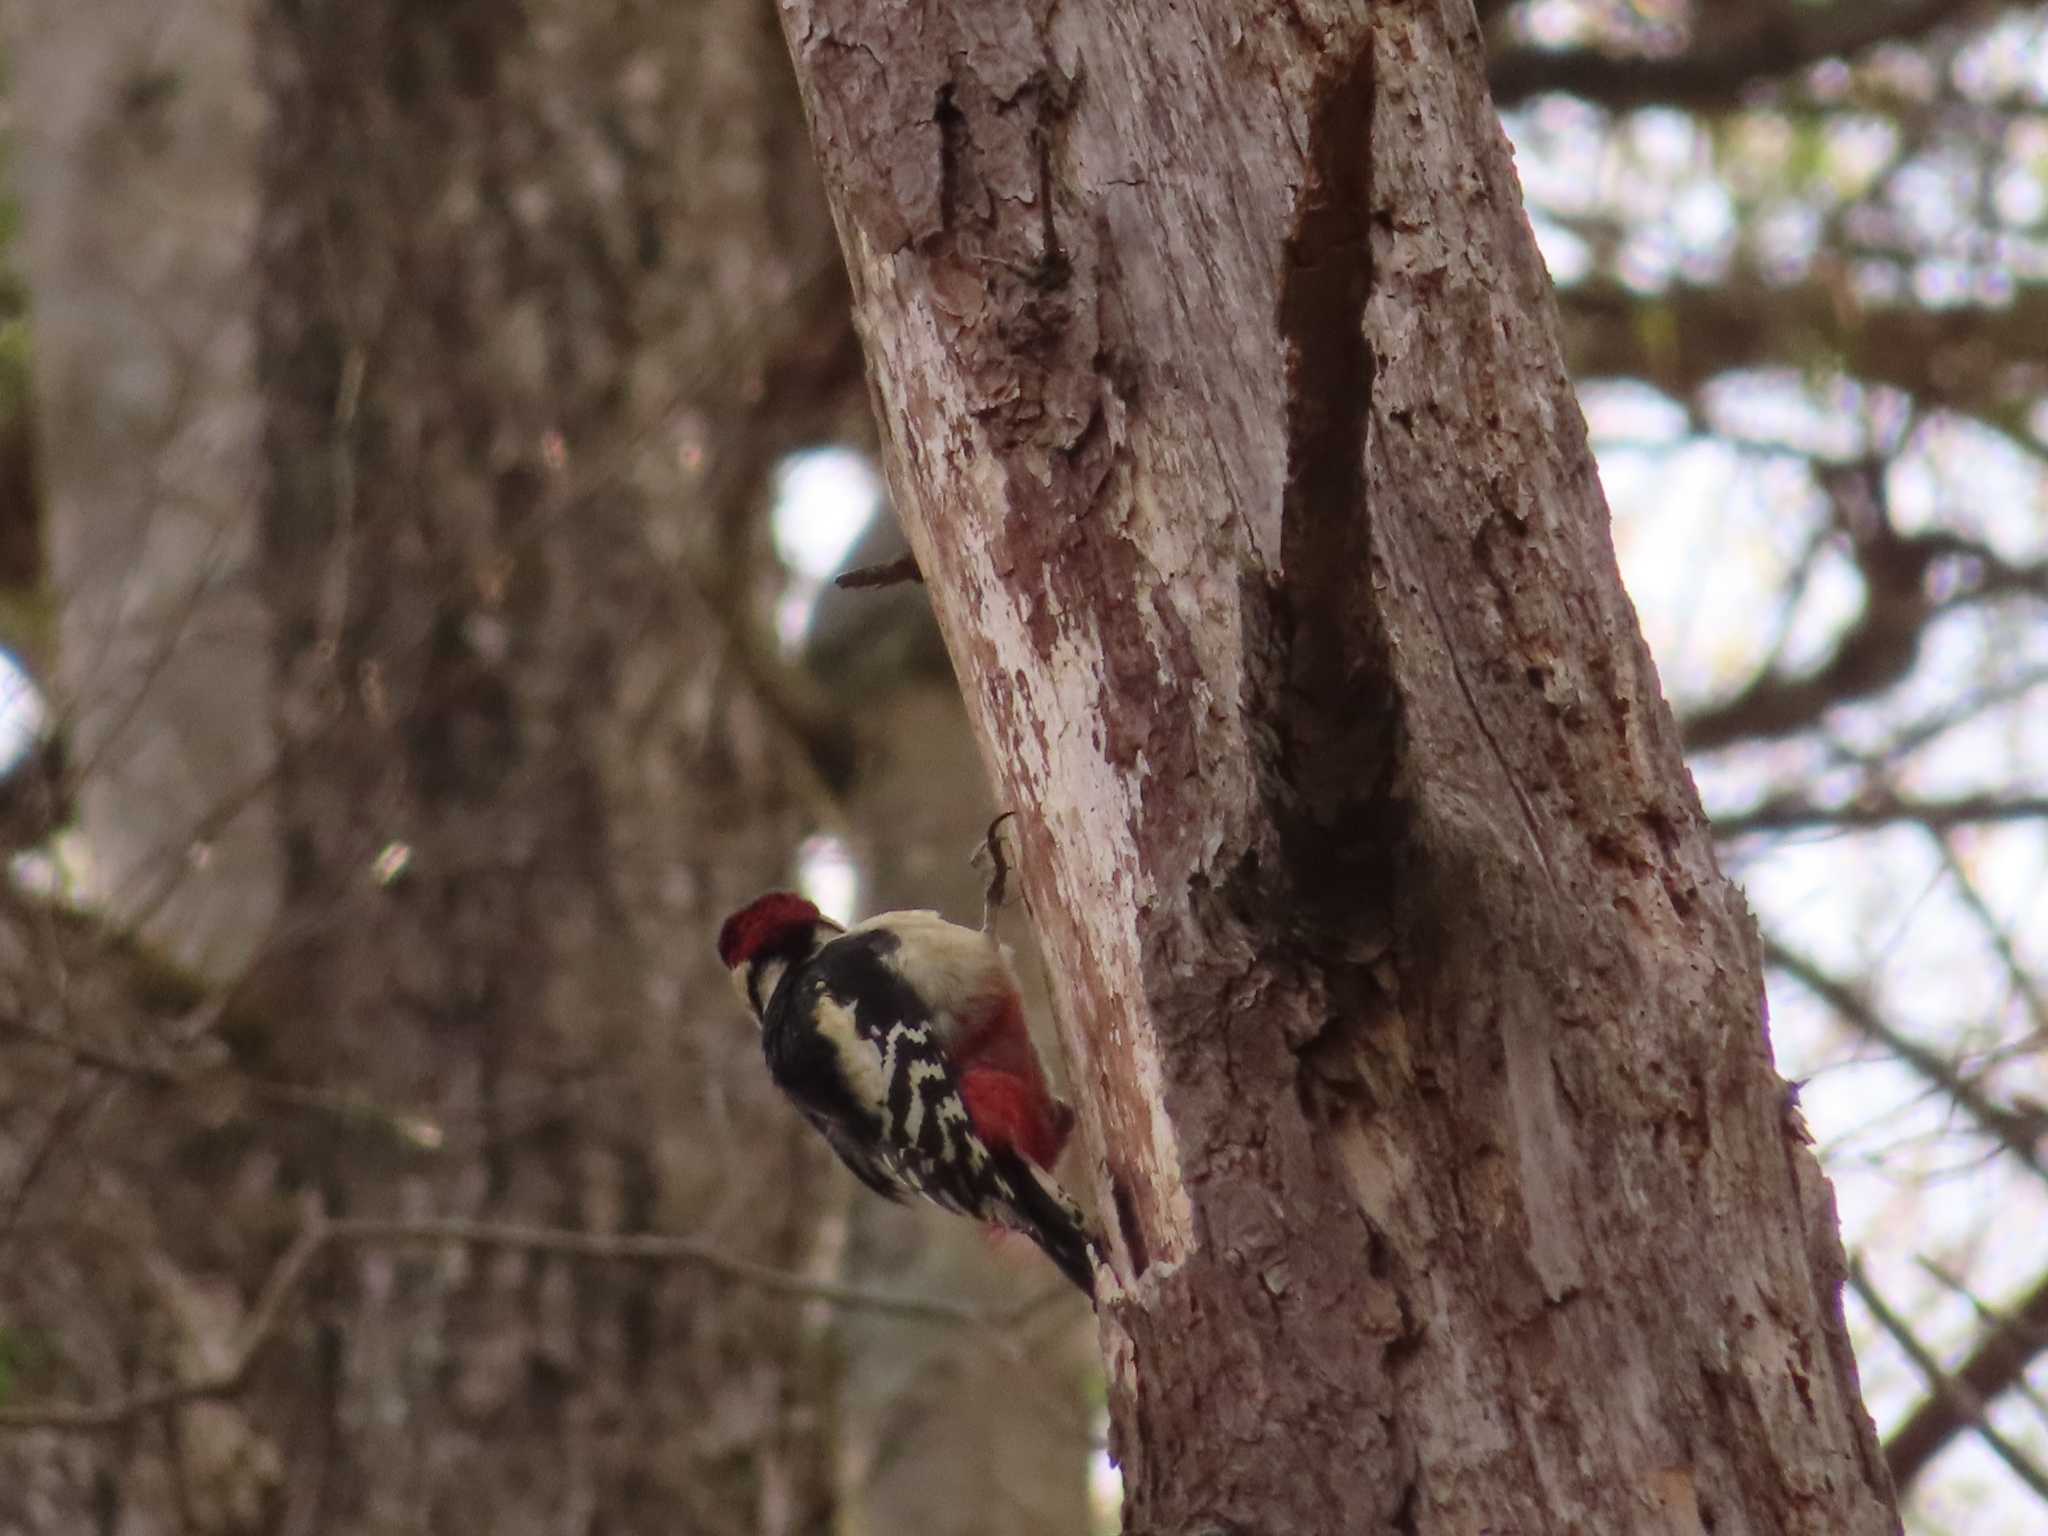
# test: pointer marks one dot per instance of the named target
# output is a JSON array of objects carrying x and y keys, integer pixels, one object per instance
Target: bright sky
[{"x": 23, "y": 717}]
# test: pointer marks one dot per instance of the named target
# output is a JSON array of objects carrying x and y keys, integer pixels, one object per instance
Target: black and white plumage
[{"x": 900, "y": 1042}]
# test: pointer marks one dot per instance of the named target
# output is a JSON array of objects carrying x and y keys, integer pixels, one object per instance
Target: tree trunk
[
  {"x": 545, "y": 294},
  {"x": 1435, "y": 1133}
]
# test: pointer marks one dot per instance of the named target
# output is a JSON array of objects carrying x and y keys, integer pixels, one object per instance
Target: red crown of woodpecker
[{"x": 760, "y": 923}]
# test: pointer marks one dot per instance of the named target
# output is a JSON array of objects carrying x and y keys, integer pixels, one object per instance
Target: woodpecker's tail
[{"x": 1042, "y": 1211}]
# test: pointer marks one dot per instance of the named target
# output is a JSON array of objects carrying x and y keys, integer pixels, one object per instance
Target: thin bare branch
[
  {"x": 1877, "y": 650},
  {"x": 1712, "y": 81},
  {"x": 1961, "y": 1400},
  {"x": 623, "y": 1247},
  {"x": 414, "y": 1129},
  {"x": 1880, "y": 809},
  {"x": 2012, "y": 1134},
  {"x": 1999, "y": 1364},
  {"x": 1996, "y": 931},
  {"x": 649, "y": 1248},
  {"x": 256, "y": 1333},
  {"x": 889, "y": 573}
]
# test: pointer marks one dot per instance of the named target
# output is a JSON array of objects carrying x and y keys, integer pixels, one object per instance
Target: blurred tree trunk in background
[
  {"x": 1418, "y": 1036},
  {"x": 529, "y": 274}
]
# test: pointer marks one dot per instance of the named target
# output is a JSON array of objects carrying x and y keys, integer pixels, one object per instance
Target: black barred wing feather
[
  {"x": 845, "y": 1039},
  {"x": 1036, "y": 1206},
  {"x": 859, "y": 1156}
]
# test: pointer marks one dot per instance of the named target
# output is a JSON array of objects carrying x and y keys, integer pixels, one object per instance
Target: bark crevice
[{"x": 1340, "y": 710}]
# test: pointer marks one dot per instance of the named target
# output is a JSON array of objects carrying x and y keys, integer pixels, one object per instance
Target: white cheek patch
[
  {"x": 864, "y": 1069},
  {"x": 757, "y": 984}
]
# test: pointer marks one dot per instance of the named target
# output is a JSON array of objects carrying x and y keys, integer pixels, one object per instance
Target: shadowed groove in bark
[{"x": 1339, "y": 705}]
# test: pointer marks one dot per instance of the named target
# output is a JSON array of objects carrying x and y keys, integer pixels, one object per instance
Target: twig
[
  {"x": 255, "y": 1335},
  {"x": 2007, "y": 1129},
  {"x": 1880, "y": 810},
  {"x": 415, "y": 1130},
  {"x": 1966, "y": 1405},
  {"x": 624, "y": 1247},
  {"x": 648, "y": 1248},
  {"x": 1995, "y": 931},
  {"x": 1997, "y": 1365},
  {"x": 86, "y": 1054},
  {"x": 890, "y": 573}
]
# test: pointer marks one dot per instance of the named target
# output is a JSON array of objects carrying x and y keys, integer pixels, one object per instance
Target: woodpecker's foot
[{"x": 991, "y": 853}]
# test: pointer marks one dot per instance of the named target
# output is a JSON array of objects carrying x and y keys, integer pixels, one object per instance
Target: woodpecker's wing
[
  {"x": 847, "y": 1037},
  {"x": 859, "y": 1159}
]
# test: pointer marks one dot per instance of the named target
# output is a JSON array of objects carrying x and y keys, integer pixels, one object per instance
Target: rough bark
[{"x": 1419, "y": 1038}]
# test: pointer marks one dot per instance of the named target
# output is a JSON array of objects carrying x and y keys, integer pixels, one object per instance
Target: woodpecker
[{"x": 902, "y": 1040}]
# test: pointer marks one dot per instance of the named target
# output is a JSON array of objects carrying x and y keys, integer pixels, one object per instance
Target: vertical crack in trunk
[{"x": 1340, "y": 710}]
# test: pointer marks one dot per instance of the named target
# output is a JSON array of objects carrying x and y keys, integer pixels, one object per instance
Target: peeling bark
[{"x": 1432, "y": 1117}]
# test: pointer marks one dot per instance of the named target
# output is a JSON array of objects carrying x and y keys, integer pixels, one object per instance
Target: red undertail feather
[
  {"x": 1004, "y": 1089},
  {"x": 1010, "y": 1111}
]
